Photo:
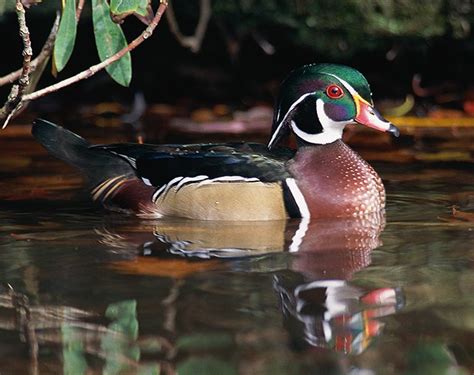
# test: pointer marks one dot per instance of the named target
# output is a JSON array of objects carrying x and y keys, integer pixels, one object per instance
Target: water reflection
[{"x": 319, "y": 307}]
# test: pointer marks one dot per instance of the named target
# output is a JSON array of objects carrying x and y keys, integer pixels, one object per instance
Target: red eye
[{"x": 334, "y": 92}]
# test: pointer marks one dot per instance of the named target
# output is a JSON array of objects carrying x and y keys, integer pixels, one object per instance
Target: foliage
[
  {"x": 66, "y": 35},
  {"x": 109, "y": 39},
  {"x": 112, "y": 47},
  {"x": 341, "y": 28}
]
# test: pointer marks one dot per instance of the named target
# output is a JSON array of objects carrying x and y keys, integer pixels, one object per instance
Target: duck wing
[{"x": 157, "y": 165}]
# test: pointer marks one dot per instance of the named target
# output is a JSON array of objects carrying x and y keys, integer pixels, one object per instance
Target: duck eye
[{"x": 334, "y": 92}]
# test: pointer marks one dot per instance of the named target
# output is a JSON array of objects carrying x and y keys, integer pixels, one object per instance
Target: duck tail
[{"x": 96, "y": 164}]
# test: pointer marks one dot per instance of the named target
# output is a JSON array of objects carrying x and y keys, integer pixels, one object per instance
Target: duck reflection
[{"x": 319, "y": 306}]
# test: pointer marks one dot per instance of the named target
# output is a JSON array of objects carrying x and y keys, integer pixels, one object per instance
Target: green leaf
[
  {"x": 125, "y": 7},
  {"x": 109, "y": 39},
  {"x": 66, "y": 36}
]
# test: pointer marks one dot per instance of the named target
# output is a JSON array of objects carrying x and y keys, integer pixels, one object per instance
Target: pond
[{"x": 88, "y": 291}]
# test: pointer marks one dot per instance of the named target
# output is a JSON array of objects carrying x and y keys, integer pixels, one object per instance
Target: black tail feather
[{"x": 96, "y": 164}]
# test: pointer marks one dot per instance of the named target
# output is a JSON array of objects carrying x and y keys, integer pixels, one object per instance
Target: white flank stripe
[
  {"x": 228, "y": 179},
  {"x": 157, "y": 193},
  {"x": 299, "y": 235},
  {"x": 298, "y": 197},
  {"x": 165, "y": 188},
  {"x": 234, "y": 178},
  {"x": 277, "y": 130},
  {"x": 191, "y": 179}
]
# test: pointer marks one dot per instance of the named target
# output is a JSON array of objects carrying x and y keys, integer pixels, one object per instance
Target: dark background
[{"x": 389, "y": 41}]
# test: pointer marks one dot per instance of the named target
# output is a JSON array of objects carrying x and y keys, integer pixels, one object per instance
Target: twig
[
  {"x": 43, "y": 55},
  {"x": 14, "y": 101},
  {"x": 192, "y": 42},
  {"x": 80, "y": 6},
  {"x": 24, "y": 321},
  {"x": 96, "y": 68}
]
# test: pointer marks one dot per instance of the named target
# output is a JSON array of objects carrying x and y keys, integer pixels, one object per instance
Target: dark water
[{"x": 85, "y": 292}]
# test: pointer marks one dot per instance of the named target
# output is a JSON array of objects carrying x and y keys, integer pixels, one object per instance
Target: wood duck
[{"x": 324, "y": 178}]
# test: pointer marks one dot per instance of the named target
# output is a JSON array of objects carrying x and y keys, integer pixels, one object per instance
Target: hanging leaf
[
  {"x": 109, "y": 39},
  {"x": 66, "y": 36},
  {"x": 127, "y": 7}
]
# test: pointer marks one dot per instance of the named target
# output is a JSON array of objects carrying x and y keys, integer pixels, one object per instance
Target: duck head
[{"x": 317, "y": 101}]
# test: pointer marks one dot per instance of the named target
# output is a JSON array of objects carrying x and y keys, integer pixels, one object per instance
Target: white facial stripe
[
  {"x": 332, "y": 130},
  {"x": 277, "y": 130},
  {"x": 298, "y": 197},
  {"x": 345, "y": 84}
]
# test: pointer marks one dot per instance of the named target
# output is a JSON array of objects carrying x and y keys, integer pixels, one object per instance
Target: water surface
[{"x": 86, "y": 291}]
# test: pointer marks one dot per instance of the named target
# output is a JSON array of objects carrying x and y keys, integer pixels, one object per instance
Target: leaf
[
  {"x": 126, "y": 7},
  {"x": 109, "y": 39},
  {"x": 66, "y": 36}
]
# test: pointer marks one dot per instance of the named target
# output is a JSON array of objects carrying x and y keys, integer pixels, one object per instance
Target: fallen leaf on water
[
  {"x": 174, "y": 268},
  {"x": 458, "y": 216},
  {"x": 465, "y": 216},
  {"x": 49, "y": 236},
  {"x": 444, "y": 156},
  {"x": 35, "y": 193},
  {"x": 8, "y": 164}
]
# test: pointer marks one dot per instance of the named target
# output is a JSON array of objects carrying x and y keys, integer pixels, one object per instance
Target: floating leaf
[
  {"x": 109, "y": 39},
  {"x": 66, "y": 36}
]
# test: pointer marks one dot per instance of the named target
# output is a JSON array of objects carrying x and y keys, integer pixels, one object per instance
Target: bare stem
[
  {"x": 96, "y": 68},
  {"x": 80, "y": 6},
  {"x": 14, "y": 101},
  {"x": 192, "y": 42}
]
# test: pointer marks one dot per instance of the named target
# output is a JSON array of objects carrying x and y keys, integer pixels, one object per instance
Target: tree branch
[
  {"x": 192, "y": 42},
  {"x": 96, "y": 68},
  {"x": 80, "y": 6},
  {"x": 43, "y": 55},
  {"x": 14, "y": 100}
]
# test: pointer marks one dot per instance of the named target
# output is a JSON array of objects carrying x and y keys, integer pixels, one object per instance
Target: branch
[
  {"x": 80, "y": 6},
  {"x": 192, "y": 42},
  {"x": 14, "y": 101},
  {"x": 42, "y": 56},
  {"x": 96, "y": 68}
]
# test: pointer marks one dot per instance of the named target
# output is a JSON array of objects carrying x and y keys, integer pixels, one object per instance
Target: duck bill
[{"x": 368, "y": 116}]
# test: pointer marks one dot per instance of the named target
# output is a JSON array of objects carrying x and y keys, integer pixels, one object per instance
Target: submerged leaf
[
  {"x": 110, "y": 39},
  {"x": 66, "y": 36}
]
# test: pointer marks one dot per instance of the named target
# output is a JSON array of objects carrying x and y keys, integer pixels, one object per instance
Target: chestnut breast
[{"x": 336, "y": 182}]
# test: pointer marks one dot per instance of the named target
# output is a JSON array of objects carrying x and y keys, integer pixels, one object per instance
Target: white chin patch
[{"x": 332, "y": 130}]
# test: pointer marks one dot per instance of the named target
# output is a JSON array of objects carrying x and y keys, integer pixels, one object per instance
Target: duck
[{"x": 322, "y": 178}]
